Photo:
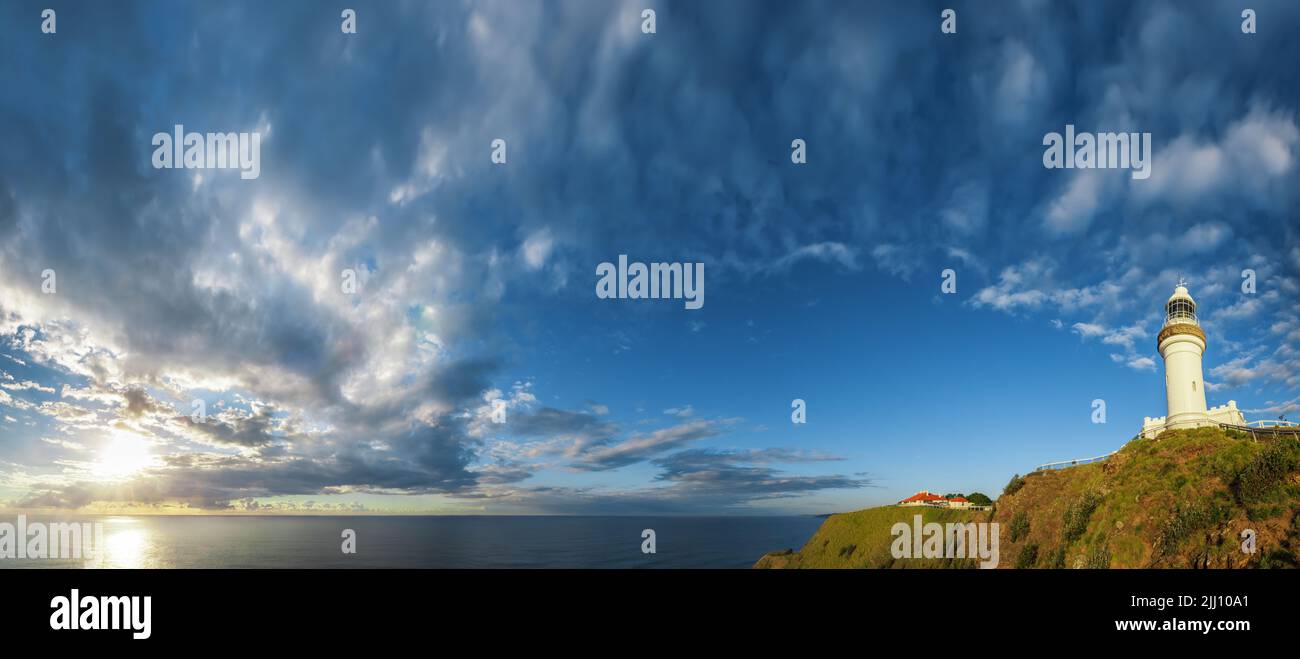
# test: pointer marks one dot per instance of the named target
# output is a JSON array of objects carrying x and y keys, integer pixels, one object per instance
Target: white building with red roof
[
  {"x": 928, "y": 498},
  {"x": 923, "y": 498}
]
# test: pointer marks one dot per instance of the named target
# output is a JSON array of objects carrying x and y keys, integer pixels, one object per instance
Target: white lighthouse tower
[{"x": 1181, "y": 343}]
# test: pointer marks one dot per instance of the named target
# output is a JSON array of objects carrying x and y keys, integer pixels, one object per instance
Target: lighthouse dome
[
  {"x": 1181, "y": 308},
  {"x": 1180, "y": 293}
]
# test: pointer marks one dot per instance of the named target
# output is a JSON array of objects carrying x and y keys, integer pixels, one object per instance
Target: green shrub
[
  {"x": 1186, "y": 520},
  {"x": 1277, "y": 559},
  {"x": 1028, "y": 556},
  {"x": 1014, "y": 486},
  {"x": 1056, "y": 559},
  {"x": 1260, "y": 513},
  {"x": 979, "y": 499},
  {"x": 1268, "y": 468},
  {"x": 1019, "y": 527},
  {"x": 1098, "y": 558},
  {"x": 1077, "y": 515}
]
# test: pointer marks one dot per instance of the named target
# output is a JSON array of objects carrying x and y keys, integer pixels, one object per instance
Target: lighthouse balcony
[{"x": 1180, "y": 328}]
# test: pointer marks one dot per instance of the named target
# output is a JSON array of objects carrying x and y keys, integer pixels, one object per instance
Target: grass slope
[
  {"x": 862, "y": 538},
  {"x": 1181, "y": 500}
]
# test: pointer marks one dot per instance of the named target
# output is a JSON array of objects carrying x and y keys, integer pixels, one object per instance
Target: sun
[{"x": 123, "y": 455}]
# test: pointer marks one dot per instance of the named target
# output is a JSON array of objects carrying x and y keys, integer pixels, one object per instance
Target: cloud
[
  {"x": 1125, "y": 337},
  {"x": 685, "y": 411},
  {"x": 1203, "y": 237},
  {"x": 830, "y": 252},
  {"x": 537, "y": 248},
  {"x": 1137, "y": 363},
  {"x": 1283, "y": 408},
  {"x": 641, "y": 447},
  {"x": 967, "y": 210},
  {"x": 693, "y": 481},
  {"x": 747, "y": 473},
  {"x": 1073, "y": 210},
  {"x": 138, "y": 402},
  {"x": 576, "y": 432},
  {"x": 1249, "y": 369},
  {"x": 1257, "y": 151},
  {"x": 237, "y": 429},
  {"x": 896, "y": 260},
  {"x": 171, "y": 290},
  {"x": 1244, "y": 308},
  {"x": 1022, "y": 83},
  {"x": 1018, "y": 288},
  {"x": 1089, "y": 330}
]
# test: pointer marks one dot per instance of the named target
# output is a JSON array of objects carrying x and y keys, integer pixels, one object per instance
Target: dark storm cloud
[
  {"x": 138, "y": 402},
  {"x": 249, "y": 431}
]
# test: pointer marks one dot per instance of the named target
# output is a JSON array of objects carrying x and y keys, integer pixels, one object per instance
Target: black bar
[{"x": 332, "y": 607}]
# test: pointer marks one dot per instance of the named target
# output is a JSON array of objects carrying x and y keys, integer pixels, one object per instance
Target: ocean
[{"x": 223, "y": 541}]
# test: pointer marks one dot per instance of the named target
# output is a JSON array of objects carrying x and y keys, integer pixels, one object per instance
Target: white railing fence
[
  {"x": 1267, "y": 429},
  {"x": 1273, "y": 424},
  {"x": 1072, "y": 463}
]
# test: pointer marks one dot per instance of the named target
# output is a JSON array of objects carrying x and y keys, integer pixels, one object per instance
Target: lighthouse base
[{"x": 1223, "y": 414}]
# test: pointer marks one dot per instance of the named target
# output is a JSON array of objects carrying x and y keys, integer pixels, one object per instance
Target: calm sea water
[{"x": 433, "y": 542}]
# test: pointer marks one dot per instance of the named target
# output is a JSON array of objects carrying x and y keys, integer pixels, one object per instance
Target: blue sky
[{"x": 477, "y": 280}]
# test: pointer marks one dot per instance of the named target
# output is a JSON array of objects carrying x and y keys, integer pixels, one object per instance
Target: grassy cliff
[
  {"x": 862, "y": 538},
  {"x": 1181, "y": 500}
]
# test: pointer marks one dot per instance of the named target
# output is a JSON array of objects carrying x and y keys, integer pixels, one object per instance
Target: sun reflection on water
[{"x": 127, "y": 544}]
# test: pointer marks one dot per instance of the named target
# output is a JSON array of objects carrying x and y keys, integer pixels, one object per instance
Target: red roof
[
  {"x": 922, "y": 496},
  {"x": 959, "y": 500}
]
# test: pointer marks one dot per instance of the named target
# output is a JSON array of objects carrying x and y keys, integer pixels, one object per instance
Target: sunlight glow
[{"x": 124, "y": 454}]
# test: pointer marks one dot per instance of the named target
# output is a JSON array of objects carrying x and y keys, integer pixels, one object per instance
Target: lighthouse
[{"x": 1181, "y": 343}]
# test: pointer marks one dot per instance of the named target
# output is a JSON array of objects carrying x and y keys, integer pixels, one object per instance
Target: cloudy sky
[{"x": 476, "y": 281}]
